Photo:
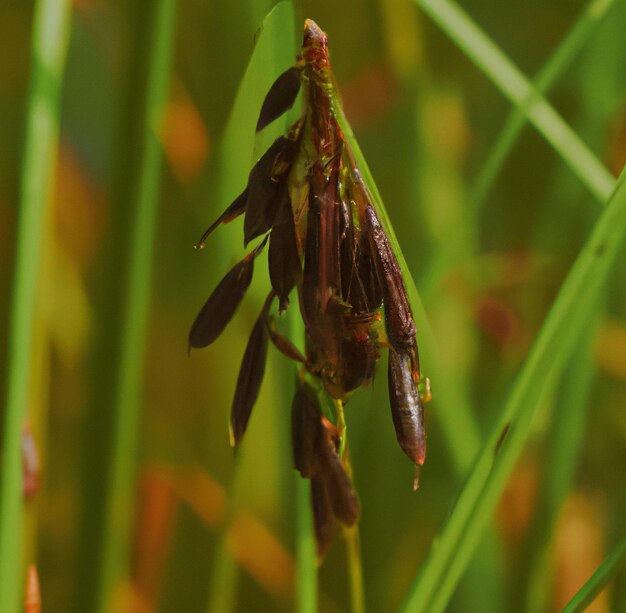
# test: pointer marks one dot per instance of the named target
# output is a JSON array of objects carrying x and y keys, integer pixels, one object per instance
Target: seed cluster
[{"x": 306, "y": 197}]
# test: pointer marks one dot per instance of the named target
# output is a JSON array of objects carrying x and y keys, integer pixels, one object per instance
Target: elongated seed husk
[
  {"x": 249, "y": 378},
  {"x": 264, "y": 187},
  {"x": 398, "y": 316},
  {"x": 283, "y": 258},
  {"x": 324, "y": 520},
  {"x": 343, "y": 498},
  {"x": 305, "y": 429},
  {"x": 406, "y": 406},
  {"x": 280, "y": 97},
  {"x": 236, "y": 208},
  {"x": 223, "y": 302},
  {"x": 283, "y": 344}
]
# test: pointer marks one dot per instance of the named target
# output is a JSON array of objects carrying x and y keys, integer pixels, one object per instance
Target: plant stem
[
  {"x": 306, "y": 569},
  {"x": 49, "y": 49},
  {"x": 120, "y": 483},
  {"x": 355, "y": 569}
]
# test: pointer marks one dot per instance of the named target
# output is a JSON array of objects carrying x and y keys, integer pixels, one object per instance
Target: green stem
[
  {"x": 306, "y": 568},
  {"x": 355, "y": 569},
  {"x": 49, "y": 50},
  {"x": 566, "y": 320},
  {"x": 120, "y": 483}
]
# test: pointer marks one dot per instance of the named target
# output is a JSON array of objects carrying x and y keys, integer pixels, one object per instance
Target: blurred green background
[{"x": 213, "y": 530}]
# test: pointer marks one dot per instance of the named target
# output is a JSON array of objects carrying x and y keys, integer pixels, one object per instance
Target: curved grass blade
[
  {"x": 223, "y": 302},
  {"x": 50, "y": 37},
  {"x": 274, "y": 48},
  {"x": 250, "y": 376},
  {"x": 511, "y": 82},
  {"x": 598, "y": 581},
  {"x": 566, "y": 320},
  {"x": 280, "y": 98}
]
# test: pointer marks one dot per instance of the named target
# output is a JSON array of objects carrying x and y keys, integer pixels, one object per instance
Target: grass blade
[
  {"x": 511, "y": 82},
  {"x": 565, "y": 447},
  {"x": 556, "y": 65},
  {"x": 120, "y": 483},
  {"x": 567, "y": 318},
  {"x": 306, "y": 568},
  {"x": 273, "y": 52},
  {"x": 596, "y": 583},
  {"x": 48, "y": 52}
]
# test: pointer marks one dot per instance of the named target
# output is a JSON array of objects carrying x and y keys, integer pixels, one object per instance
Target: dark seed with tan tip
[
  {"x": 406, "y": 407},
  {"x": 223, "y": 302}
]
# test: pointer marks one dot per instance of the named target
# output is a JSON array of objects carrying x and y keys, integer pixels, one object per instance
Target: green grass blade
[
  {"x": 598, "y": 581},
  {"x": 48, "y": 53},
  {"x": 306, "y": 567},
  {"x": 273, "y": 52},
  {"x": 509, "y": 79},
  {"x": 565, "y": 447},
  {"x": 553, "y": 69},
  {"x": 567, "y": 318},
  {"x": 120, "y": 483},
  {"x": 306, "y": 555},
  {"x": 454, "y": 412}
]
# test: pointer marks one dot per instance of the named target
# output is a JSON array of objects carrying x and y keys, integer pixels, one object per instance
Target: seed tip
[{"x": 416, "y": 479}]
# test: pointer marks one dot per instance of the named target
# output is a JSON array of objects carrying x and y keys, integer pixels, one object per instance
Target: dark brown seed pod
[
  {"x": 237, "y": 207},
  {"x": 305, "y": 429},
  {"x": 223, "y": 302},
  {"x": 283, "y": 344},
  {"x": 406, "y": 407},
  {"x": 398, "y": 316},
  {"x": 357, "y": 359},
  {"x": 343, "y": 498},
  {"x": 280, "y": 97},
  {"x": 283, "y": 259},
  {"x": 324, "y": 520},
  {"x": 250, "y": 376},
  {"x": 264, "y": 187}
]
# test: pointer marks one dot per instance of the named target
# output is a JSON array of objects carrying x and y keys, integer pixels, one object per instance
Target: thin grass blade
[
  {"x": 598, "y": 581},
  {"x": 566, "y": 320},
  {"x": 478, "y": 47},
  {"x": 117, "y": 517},
  {"x": 48, "y": 53},
  {"x": 553, "y": 69}
]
